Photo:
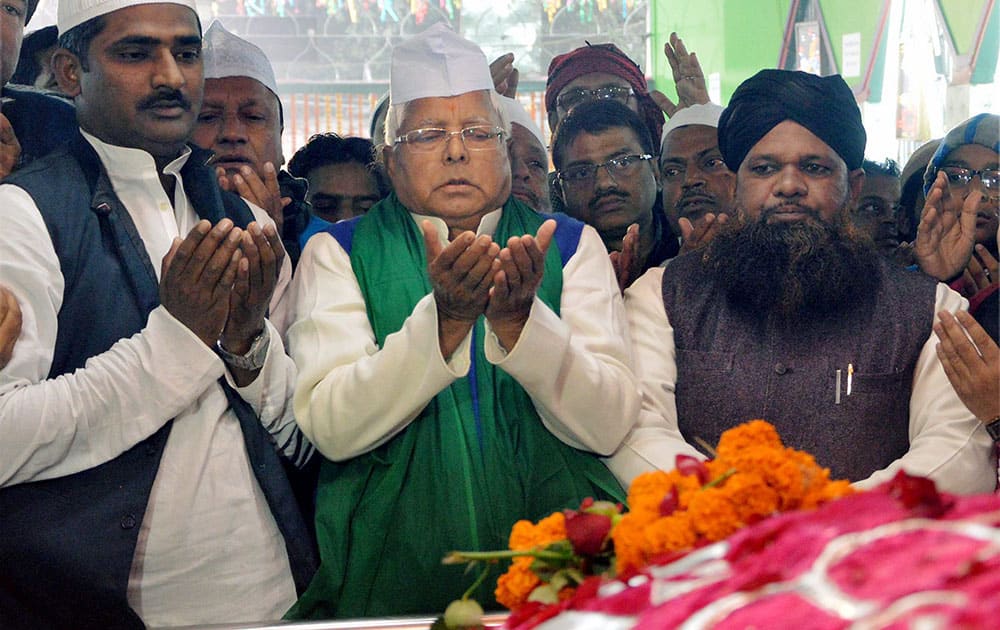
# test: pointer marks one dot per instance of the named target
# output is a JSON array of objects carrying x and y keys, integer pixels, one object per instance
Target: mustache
[
  {"x": 770, "y": 211},
  {"x": 166, "y": 98},
  {"x": 605, "y": 195}
]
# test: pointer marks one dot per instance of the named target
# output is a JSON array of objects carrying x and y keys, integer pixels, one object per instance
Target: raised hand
[
  {"x": 944, "y": 240},
  {"x": 971, "y": 360},
  {"x": 10, "y": 148},
  {"x": 264, "y": 193},
  {"x": 197, "y": 275},
  {"x": 626, "y": 263},
  {"x": 689, "y": 78},
  {"x": 504, "y": 75},
  {"x": 515, "y": 281},
  {"x": 700, "y": 233},
  {"x": 460, "y": 274},
  {"x": 10, "y": 324}
]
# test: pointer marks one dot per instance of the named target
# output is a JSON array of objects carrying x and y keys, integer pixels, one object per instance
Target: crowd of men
[{"x": 233, "y": 391}]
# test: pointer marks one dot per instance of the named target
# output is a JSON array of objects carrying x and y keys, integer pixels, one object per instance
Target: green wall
[{"x": 736, "y": 38}]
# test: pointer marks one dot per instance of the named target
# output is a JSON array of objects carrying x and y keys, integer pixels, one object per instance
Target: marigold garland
[{"x": 752, "y": 477}]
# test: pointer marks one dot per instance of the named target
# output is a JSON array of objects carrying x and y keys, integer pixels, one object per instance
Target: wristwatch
[
  {"x": 254, "y": 357},
  {"x": 993, "y": 428}
]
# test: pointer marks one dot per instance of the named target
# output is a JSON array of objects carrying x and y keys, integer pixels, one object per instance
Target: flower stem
[
  {"x": 479, "y": 580},
  {"x": 457, "y": 557}
]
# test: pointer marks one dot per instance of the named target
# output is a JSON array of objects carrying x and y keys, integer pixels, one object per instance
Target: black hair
[
  {"x": 596, "y": 117},
  {"x": 887, "y": 168},
  {"x": 77, "y": 39},
  {"x": 34, "y": 42},
  {"x": 329, "y": 148}
]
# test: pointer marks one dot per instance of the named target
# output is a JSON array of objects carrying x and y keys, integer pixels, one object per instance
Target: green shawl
[{"x": 472, "y": 463}]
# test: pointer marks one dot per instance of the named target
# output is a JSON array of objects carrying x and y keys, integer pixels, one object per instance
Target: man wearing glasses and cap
[
  {"x": 460, "y": 356},
  {"x": 145, "y": 404}
]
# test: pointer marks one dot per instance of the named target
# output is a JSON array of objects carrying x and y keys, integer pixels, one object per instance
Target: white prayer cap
[
  {"x": 700, "y": 114},
  {"x": 72, "y": 13},
  {"x": 437, "y": 62},
  {"x": 227, "y": 55},
  {"x": 520, "y": 116}
]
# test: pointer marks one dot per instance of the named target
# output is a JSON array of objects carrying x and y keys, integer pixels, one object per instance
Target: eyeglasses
[
  {"x": 960, "y": 177},
  {"x": 584, "y": 174},
  {"x": 569, "y": 99},
  {"x": 475, "y": 138},
  {"x": 878, "y": 208}
]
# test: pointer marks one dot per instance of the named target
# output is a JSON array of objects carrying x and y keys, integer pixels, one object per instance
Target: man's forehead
[
  {"x": 612, "y": 141},
  {"x": 527, "y": 139},
  {"x": 244, "y": 91},
  {"x": 690, "y": 139},
  {"x": 593, "y": 80},
  {"x": 467, "y": 106}
]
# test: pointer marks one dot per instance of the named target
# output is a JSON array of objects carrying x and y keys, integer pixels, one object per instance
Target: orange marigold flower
[
  {"x": 514, "y": 586},
  {"x": 713, "y": 514},
  {"x": 527, "y": 535},
  {"x": 647, "y": 492},
  {"x": 752, "y": 433},
  {"x": 629, "y": 542},
  {"x": 751, "y": 497},
  {"x": 670, "y": 533}
]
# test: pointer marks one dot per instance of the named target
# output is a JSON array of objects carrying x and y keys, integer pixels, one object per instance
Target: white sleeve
[
  {"x": 577, "y": 367},
  {"x": 351, "y": 395},
  {"x": 56, "y": 427},
  {"x": 656, "y": 439},
  {"x": 947, "y": 443}
]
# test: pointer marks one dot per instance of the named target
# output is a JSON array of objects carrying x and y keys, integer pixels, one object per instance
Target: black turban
[{"x": 823, "y": 105}]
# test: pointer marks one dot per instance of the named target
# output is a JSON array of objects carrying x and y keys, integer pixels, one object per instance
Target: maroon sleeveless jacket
[{"x": 734, "y": 366}]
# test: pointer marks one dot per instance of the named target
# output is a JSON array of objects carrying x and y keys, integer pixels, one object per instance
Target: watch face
[{"x": 993, "y": 428}]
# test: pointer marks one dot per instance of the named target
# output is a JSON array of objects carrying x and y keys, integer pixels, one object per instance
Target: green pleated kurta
[{"x": 475, "y": 461}]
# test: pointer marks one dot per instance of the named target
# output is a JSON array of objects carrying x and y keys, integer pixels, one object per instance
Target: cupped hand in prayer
[
  {"x": 197, "y": 275},
  {"x": 10, "y": 148},
  {"x": 264, "y": 193},
  {"x": 515, "y": 281},
  {"x": 504, "y": 75},
  {"x": 971, "y": 360},
  {"x": 701, "y": 232},
  {"x": 461, "y": 274},
  {"x": 626, "y": 263},
  {"x": 10, "y": 324}
]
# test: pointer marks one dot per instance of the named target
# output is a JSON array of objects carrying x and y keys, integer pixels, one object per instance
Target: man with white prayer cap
[
  {"x": 461, "y": 358},
  {"x": 698, "y": 187},
  {"x": 241, "y": 122},
  {"x": 529, "y": 161},
  {"x": 145, "y": 404}
]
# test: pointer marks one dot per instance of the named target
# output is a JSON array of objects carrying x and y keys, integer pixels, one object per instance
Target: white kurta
[
  {"x": 947, "y": 443},
  {"x": 209, "y": 549},
  {"x": 353, "y": 396}
]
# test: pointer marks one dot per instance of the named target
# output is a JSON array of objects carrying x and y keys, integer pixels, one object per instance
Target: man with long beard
[{"x": 791, "y": 317}]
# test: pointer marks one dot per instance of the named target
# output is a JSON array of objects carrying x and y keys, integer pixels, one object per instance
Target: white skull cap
[
  {"x": 437, "y": 62},
  {"x": 227, "y": 55},
  {"x": 72, "y": 13},
  {"x": 706, "y": 114},
  {"x": 518, "y": 115}
]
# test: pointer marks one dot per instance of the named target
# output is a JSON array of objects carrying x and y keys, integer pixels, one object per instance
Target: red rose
[{"x": 587, "y": 532}]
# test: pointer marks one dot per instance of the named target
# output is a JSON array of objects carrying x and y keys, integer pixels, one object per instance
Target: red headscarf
[{"x": 609, "y": 59}]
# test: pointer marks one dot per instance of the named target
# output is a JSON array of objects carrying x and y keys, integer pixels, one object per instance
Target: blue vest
[{"x": 66, "y": 544}]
